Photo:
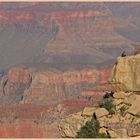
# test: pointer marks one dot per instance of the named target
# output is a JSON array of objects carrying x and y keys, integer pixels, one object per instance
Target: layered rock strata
[{"x": 125, "y": 74}]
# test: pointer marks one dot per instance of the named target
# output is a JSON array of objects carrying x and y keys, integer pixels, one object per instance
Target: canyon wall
[
  {"x": 55, "y": 59},
  {"x": 76, "y": 35},
  {"x": 125, "y": 74},
  {"x": 47, "y": 87}
]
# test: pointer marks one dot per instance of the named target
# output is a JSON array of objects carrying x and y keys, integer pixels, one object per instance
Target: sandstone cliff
[
  {"x": 124, "y": 121},
  {"x": 125, "y": 74}
]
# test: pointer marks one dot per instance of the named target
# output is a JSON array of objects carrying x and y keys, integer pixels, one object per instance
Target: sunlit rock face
[
  {"x": 125, "y": 74},
  {"x": 125, "y": 99}
]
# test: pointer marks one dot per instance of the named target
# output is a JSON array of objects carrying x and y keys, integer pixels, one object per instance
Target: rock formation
[
  {"x": 124, "y": 121},
  {"x": 26, "y": 85},
  {"x": 125, "y": 74},
  {"x": 49, "y": 87}
]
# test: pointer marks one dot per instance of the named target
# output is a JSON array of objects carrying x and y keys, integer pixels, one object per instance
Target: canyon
[{"x": 56, "y": 59}]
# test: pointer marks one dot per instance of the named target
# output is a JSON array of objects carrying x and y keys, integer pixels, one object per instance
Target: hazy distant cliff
[
  {"x": 46, "y": 87},
  {"x": 65, "y": 34}
]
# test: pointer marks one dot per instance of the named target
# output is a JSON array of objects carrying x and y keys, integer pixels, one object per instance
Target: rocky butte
[
  {"x": 124, "y": 122},
  {"x": 125, "y": 75}
]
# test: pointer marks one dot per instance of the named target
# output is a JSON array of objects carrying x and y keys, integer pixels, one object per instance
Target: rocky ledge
[
  {"x": 126, "y": 73},
  {"x": 118, "y": 113}
]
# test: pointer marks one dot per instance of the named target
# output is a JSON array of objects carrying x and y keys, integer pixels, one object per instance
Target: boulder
[
  {"x": 100, "y": 112},
  {"x": 119, "y": 95},
  {"x": 103, "y": 130},
  {"x": 117, "y": 101},
  {"x": 70, "y": 125},
  {"x": 88, "y": 111},
  {"x": 134, "y": 108},
  {"x": 131, "y": 99},
  {"x": 113, "y": 134}
]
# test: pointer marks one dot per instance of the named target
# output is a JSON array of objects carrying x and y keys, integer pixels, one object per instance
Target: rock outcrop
[
  {"x": 122, "y": 124},
  {"x": 125, "y": 74},
  {"x": 124, "y": 121}
]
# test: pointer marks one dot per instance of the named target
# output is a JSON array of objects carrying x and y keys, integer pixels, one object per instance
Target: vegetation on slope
[
  {"x": 91, "y": 130},
  {"x": 107, "y": 103}
]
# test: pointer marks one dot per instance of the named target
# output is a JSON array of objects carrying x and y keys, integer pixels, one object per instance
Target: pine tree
[{"x": 91, "y": 130}]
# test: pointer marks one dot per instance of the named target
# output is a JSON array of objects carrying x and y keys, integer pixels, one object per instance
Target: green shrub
[
  {"x": 122, "y": 110},
  {"x": 107, "y": 103},
  {"x": 91, "y": 130},
  {"x": 103, "y": 135},
  {"x": 111, "y": 112}
]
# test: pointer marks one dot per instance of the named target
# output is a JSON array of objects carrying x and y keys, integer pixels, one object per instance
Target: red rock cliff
[{"x": 49, "y": 87}]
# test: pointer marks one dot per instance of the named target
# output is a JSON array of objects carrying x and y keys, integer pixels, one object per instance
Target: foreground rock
[
  {"x": 135, "y": 109},
  {"x": 88, "y": 111},
  {"x": 71, "y": 124},
  {"x": 119, "y": 95},
  {"x": 124, "y": 121},
  {"x": 125, "y": 75},
  {"x": 100, "y": 112}
]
